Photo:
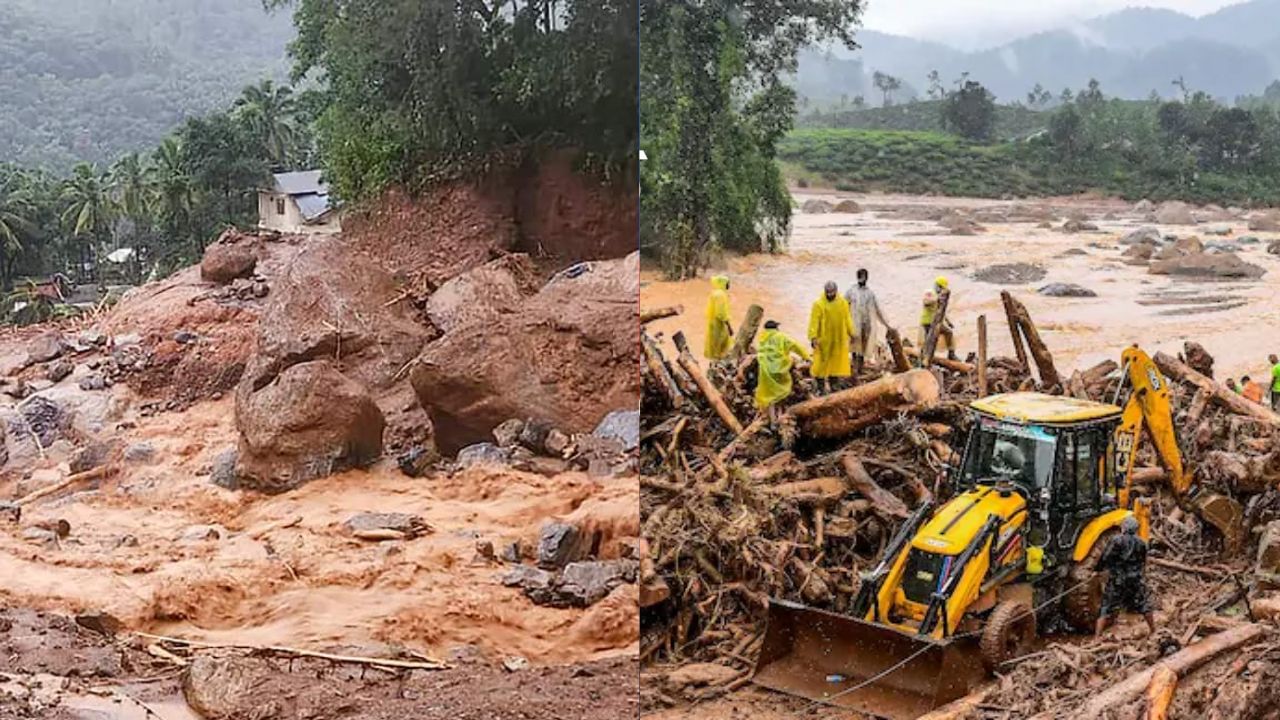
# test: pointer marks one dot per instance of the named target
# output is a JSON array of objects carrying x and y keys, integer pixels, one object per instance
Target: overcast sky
[{"x": 980, "y": 23}]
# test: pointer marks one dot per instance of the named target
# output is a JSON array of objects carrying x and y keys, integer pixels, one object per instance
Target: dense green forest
[
  {"x": 90, "y": 80},
  {"x": 1012, "y": 121}
]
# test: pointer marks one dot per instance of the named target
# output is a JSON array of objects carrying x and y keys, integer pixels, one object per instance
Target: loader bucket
[{"x": 821, "y": 656}]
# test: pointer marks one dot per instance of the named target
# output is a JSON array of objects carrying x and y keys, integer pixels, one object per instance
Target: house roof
[
  {"x": 306, "y": 182},
  {"x": 313, "y": 205}
]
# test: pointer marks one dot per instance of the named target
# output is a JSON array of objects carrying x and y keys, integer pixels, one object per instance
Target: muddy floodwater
[{"x": 898, "y": 239}]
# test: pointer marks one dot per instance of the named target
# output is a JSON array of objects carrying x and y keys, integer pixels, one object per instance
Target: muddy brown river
[{"x": 904, "y": 251}]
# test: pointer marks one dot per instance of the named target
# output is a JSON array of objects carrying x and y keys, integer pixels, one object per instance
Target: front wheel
[
  {"x": 1009, "y": 633},
  {"x": 1083, "y": 602}
]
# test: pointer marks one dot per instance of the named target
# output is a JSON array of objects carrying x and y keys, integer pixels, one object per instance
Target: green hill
[{"x": 924, "y": 116}]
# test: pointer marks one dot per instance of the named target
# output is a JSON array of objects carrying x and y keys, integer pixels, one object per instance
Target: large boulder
[
  {"x": 1268, "y": 221},
  {"x": 816, "y": 206},
  {"x": 498, "y": 286},
  {"x": 45, "y": 347},
  {"x": 1175, "y": 213},
  {"x": 565, "y": 356},
  {"x": 308, "y": 422},
  {"x": 1216, "y": 265},
  {"x": 1146, "y": 235},
  {"x": 1180, "y": 247},
  {"x": 232, "y": 256}
]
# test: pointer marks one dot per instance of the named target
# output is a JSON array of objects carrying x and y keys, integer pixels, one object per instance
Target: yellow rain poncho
[
  {"x": 773, "y": 360},
  {"x": 718, "y": 339},
  {"x": 831, "y": 326}
]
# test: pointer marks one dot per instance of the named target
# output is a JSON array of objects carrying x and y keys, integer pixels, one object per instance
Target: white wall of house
[{"x": 279, "y": 212}]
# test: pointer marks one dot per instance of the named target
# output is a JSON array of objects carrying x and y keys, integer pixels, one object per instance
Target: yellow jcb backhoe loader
[{"x": 1042, "y": 484}]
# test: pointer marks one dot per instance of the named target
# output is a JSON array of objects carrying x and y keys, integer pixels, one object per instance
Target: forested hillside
[{"x": 92, "y": 80}]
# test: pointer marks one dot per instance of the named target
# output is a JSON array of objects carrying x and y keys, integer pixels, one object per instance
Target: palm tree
[
  {"x": 90, "y": 211},
  {"x": 129, "y": 186},
  {"x": 169, "y": 179},
  {"x": 268, "y": 111},
  {"x": 16, "y": 211}
]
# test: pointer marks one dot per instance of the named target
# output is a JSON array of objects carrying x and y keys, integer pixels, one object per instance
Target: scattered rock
[
  {"x": 620, "y": 425},
  {"x": 1076, "y": 226},
  {"x": 1066, "y": 290},
  {"x": 1010, "y": 274},
  {"x": 482, "y": 454},
  {"x": 140, "y": 452},
  {"x": 229, "y": 258},
  {"x": 1273, "y": 247},
  {"x": 202, "y": 533},
  {"x": 45, "y": 347},
  {"x": 485, "y": 552},
  {"x": 43, "y": 417},
  {"x": 416, "y": 461},
  {"x": 534, "y": 435},
  {"x": 1218, "y": 265},
  {"x": 1072, "y": 252},
  {"x": 1145, "y": 235},
  {"x": 1175, "y": 213},
  {"x": 59, "y": 527},
  {"x": 93, "y": 381},
  {"x": 410, "y": 525},
  {"x": 217, "y": 688},
  {"x": 40, "y": 536},
  {"x": 585, "y": 583},
  {"x": 515, "y": 664},
  {"x": 511, "y": 552},
  {"x": 528, "y": 578},
  {"x": 1218, "y": 230},
  {"x": 59, "y": 370},
  {"x": 1268, "y": 221},
  {"x": 102, "y": 623},
  {"x": 1138, "y": 254},
  {"x": 1143, "y": 205},
  {"x": 847, "y": 206},
  {"x": 224, "y": 469},
  {"x": 185, "y": 337},
  {"x": 498, "y": 286},
  {"x": 557, "y": 442},
  {"x": 507, "y": 434},
  {"x": 814, "y": 207},
  {"x": 558, "y": 545},
  {"x": 1248, "y": 240},
  {"x": 92, "y": 455}
]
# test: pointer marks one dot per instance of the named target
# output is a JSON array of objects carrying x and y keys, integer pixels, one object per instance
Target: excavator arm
[{"x": 1150, "y": 408}]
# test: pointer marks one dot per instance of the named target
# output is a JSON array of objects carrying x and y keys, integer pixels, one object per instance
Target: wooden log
[
  {"x": 1182, "y": 662},
  {"x": 894, "y": 340},
  {"x": 648, "y": 316},
  {"x": 1178, "y": 370},
  {"x": 959, "y": 366},
  {"x": 658, "y": 370},
  {"x": 709, "y": 391},
  {"x": 842, "y": 413},
  {"x": 1164, "y": 682},
  {"x": 1015, "y": 331},
  {"x": 99, "y": 472},
  {"x": 747, "y": 332},
  {"x": 960, "y": 708},
  {"x": 1199, "y": 402},
  {"x": 931, "y": 337},
  {"x": 1039, "y": 351},
  {"x": 736, "y": 444},
  {"x": 820, "y": 491},
  {"x": 1098, "y": 373},
  {"x": 982, "y": 356},
  {"x": 884, "y": 502}
]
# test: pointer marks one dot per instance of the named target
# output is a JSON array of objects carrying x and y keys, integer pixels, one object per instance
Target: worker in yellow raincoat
[
  {"x": 719, "y": 331},
  {"x": 830, "y": 330},
  {"x": 773, "y": 367},
  {"x": 946, "y": 333}
]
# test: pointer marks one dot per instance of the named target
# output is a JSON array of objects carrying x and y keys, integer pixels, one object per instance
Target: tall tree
[
  {"x": 16, "y": 224},
  {"x": 89, "y": 213},
  {"x": 970, "y": 111},
  {"x": 267, "y": 110}
]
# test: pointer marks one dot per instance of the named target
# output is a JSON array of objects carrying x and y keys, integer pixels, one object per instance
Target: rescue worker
[
  {"x": 773, "y": 368},
  {"x": 1232, "y": 386},
  {"x": 1124, "y": 559},
  {"x": 946, "y": 333},
  {"x": 862, "y": 304},
  {"x": 719, "y": 331},
  {"x": 1275, "y": 382},
  {"x": 1250, "y": 389},
  {"x": 830, "y": 330}
]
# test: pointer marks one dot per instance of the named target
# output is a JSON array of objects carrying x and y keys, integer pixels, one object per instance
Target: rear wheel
[
  {"x": 1009, "y": 633},
  {"x": 1083, "y": 604}
]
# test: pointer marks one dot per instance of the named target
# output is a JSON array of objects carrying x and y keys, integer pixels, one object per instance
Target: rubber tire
[
  {"x": 1082, "y": 605},
  {"x": 1010, "y": 632}
]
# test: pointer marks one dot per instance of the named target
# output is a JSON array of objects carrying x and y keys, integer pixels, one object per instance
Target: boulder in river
[{"x": 1066, "y": 290}]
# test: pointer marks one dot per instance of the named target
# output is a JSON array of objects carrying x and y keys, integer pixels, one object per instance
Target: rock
[
  {"x": 1268, "y": 561},
  {"x": 43, "y": 417},
  {"x": 1072, "y": 252},
  {"x": 202, "y": 533},
  {"x": 59, "y": 527},
  {"x": 59, "y": 370},
  {"x": 485, "y": 551},
  {"x": 1273, "y": 247},
  {"x": 185, "y": 337},
  {"x": 816, "y": 207},
  {"x": 411, "y": 525},
  {"x": 93, "y": 381},
  {"x": 310, "y": 421},
  {"x": 1198, "y": 358},
  {"x": 847, "y": 206},
  {"x": 558, "y": 545},
  {"x": 229, "y": 258},
  {"x": 1190, "y": 245},
  {"x": 93, "y": 455},
  {"x": 40, "y": 536},
  {"x": 498, "y": 286},
  {"x": 1138, "y": 254},
  {"x": 45, "y": 347},
  {"x": 102, "y": 623},
  {"x": 224, "y": 469},
  {"x": 1268, "y": 221},
  {"x": 700, "y": 675},
  {"x": 507, "y": 434},
  {"x": 620, "y": 425},
  {"x": 1046, "y": 225},
  {"x": 1076, "y": 226},
  {"x": 1175, "y": 213},
  {"x": 416, "y": 461},
  {"x": 223, "y": 688},
  {"x": 585, "y": 583},
  {"x": 1145, "y": 235},
  {"x": 1066, "y": 290},
  {"x": 511, "y": 552},
  {"x": 1218, "y": 230},
  {"x": 1144, "y": 205},
  {"x": 566, "y": 356},
  {"x": 92, "y": 336},
  {"x": 140, "y": 452},
  {"x": 528, "y": 577},
  {"x": 1248, "y": 240},
  {"x": 556, "y": 443},
  {"x": 482, "y": 454},
  {"x": 534, "y": 435},
  {"x": 1010, "y": 274},
  {"x": 1219, "y": 265}
]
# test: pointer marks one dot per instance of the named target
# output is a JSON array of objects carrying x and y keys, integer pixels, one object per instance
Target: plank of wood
[
  {"x": 709, "y": 391},
  {"x": 648, "y": 316},
  {"x": 982, "y": 356},
  {"x": 746, "y": 334}
]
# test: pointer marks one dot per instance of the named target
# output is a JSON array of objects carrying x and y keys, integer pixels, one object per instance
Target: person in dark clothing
[{"x": 1125, "y": 560}]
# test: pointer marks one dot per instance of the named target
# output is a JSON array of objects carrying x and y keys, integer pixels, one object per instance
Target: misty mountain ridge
[{"x": 1132, "y": 52}]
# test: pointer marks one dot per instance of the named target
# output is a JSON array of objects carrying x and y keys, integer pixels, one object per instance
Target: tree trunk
[
  {"x": 931, "y": 338},
  {"x": 1044, "y": 359},
  {"x": 648, "y": 316},
  {"x": 747, "y": 332},
  {"x": 953, "y": 365},
  {"x": 704, "y": 384},
  {"x": 885, "y": 503},
  {"x": 1164, "y": 682},
  {"x": 900, "y": 363},
  {"x": 982, "y": 356},
  {"x": 658, "y": 368},
  {"x": 843, "y": 413},
  {"x": 1178, "y": 370},
  {"x": 1014, "y": 331}
]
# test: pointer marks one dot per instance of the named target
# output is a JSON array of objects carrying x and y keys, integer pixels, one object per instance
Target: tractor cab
[{"x": 1058, "y": 453}]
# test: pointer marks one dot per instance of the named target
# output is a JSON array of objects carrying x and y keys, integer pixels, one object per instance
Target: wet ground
[{"x": 904, "y": 253}]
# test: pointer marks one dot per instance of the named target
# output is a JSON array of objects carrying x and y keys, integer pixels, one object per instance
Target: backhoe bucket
[{"x": 840, "y": 660}]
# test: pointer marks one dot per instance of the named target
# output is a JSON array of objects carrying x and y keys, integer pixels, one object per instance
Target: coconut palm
[
  {"x": 267, "y": 110},
  {"x": 129, "y": 187},
  {"x": 16, "y": 211},
  {"x": 89, "y": 211},
  {"x": 171, "y": 182}
]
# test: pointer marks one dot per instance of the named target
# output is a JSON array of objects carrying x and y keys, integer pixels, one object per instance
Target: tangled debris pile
[{"x": 733, "y": 515}]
